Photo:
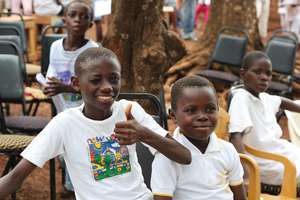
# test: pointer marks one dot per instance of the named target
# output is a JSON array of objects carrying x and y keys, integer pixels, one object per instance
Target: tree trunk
[
  {"x": 143, "y": 44},
  {"x": 236, "y": 13}
]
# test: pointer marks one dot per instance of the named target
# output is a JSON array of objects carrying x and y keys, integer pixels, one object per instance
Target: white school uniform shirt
[
  {"x": 61, "y": 66},
  {"x": 257, "y": 117},
  {"x": 208, "y": 177},
  {"x": 98, "y": 166}
]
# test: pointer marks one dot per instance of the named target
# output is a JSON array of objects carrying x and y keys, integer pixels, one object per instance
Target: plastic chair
[
  {"x": 46, "y": 42},
  {"x": 145, "y": 157},
  {"x": 282, "y": 49},
  {"x": 12, "y": 146},
  {"x": 19, "y": 28},
  {"x": 294, "y": 126},
  {"x": 12, "y": 91},
  {"x": 11, "y": 33},
  {"x": 229, "y": 50}
]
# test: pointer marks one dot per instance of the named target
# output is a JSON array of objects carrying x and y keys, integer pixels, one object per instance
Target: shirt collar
[{"x": 213, "y": 145}]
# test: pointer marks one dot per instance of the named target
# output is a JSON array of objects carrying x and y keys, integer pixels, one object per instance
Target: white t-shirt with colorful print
[
  {"x": 99, "y": 167},
  {"x": 61, "y": 66}
]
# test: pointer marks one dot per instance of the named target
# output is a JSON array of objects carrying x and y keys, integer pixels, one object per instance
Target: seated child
[
  {"x": 253, "y": 117},
  {"x": 96, "y": 139},
  {"x": 215, "y": 171}
]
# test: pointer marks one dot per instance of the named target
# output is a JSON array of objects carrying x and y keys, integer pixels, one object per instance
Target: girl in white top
[
  {"x": 253, "y": 117},
  {"x": 215, "y": 172},
  {"x": 97, "y": 140}
]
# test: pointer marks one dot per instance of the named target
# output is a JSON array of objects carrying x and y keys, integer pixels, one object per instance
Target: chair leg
[
  {"x": 52, "y": 180},
  {"x": 9, "y": 165}
]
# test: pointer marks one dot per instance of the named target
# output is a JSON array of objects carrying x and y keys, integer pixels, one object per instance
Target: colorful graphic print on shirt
[{"x": 108, "y": 157}]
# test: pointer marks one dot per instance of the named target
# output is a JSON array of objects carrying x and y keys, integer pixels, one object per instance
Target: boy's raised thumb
[{"x": 128, "y": 112}]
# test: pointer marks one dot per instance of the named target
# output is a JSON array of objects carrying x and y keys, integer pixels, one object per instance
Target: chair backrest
[
  {"x": 46, "y": 42},
  {"x": 10, "y": 45},
  {"x": 282, "y": 49},
  {"x": 145, "y": 157},
  {"x": 15, "y": 28},
  {"x": 229, "y": 49},
  {"x": 160, "y": 117},
  {"x": 11, "y": 79}
]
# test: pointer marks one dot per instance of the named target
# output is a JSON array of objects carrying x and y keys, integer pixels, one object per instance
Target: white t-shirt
[
  {"x": 208, "y": 176},
  {"x": 61, "y": 66},
  {"x": 257, "y": 117},
  {"x": 46, "y": 7},
  {"x": 98, "y": 166}
]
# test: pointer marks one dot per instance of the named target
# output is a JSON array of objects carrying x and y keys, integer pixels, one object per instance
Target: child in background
[
  {"x": 215, "y": 171},
  {"x": 97, "y": 140},
  {"x": 78, "y": 17},
  {"x": 253, "y": 117}
]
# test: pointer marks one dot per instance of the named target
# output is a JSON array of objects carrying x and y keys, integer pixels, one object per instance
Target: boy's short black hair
[
  {"x": 251, "y": 57},
  {"x": 86, "y": 2},
  {"x": 93, "y": 54},
  {"x": 186, "y": 82}
]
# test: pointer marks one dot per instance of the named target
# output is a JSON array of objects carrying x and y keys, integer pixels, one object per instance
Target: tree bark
[{"x": 143, "y": 44}]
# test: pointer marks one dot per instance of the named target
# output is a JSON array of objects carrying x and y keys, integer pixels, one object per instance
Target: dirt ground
[{"x": 37, "y": 185}]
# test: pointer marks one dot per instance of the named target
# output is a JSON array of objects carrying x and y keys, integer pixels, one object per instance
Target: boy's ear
[
  {"x": 75, "y": 83},
  {"x": 171, "y": 114},
  {"x": 242, "y": 72}
]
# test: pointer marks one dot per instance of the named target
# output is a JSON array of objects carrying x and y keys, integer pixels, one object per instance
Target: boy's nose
[
  {"x": 264, "y": 77},
  {"x": 201, "y": 116},
  {"x": 106, "y": 86}
]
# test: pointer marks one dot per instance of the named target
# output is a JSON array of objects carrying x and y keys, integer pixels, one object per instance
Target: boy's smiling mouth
[{"x": 105, "y": 99}]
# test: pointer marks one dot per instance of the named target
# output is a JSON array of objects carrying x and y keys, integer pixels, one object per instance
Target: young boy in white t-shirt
[
  {"x": 78, "y": 17},
  {"x": 215, "y": 172},
  {"x": 253, "y": 117},
  {"x": 97, "y": 139}
]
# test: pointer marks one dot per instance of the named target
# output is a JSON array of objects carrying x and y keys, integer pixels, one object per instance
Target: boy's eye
[
  {"x": 95, "y": 81},
  {"x": 114, "y": 79},
  {"x": 189, "y": 110},
  {"x": 210, "y": 109},
  {"x": 71, "y": 14}
]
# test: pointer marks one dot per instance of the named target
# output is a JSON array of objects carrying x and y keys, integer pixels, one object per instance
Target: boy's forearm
[
  {"x": 169, "y": 147},
  {"x": 8, "y": 185},
  {"x": 237, "y": 140},
  {"x": 13, "y": 180},
  {"x": 288, "y": 104}
]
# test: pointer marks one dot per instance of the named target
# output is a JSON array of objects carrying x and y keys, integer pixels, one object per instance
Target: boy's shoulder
[
  {"x": 57, "y": 43},
  {"x": 68, "y": 114}
]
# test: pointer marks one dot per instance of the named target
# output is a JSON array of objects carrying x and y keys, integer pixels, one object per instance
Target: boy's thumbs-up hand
[{"x": 130, "y": 131}]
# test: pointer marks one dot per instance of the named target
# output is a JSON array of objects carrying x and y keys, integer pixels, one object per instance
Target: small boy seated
[
  {"x": 253, "y": 117},
  {"x": 215, "y": 171}
]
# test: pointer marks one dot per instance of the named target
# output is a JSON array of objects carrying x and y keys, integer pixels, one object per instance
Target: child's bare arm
[
  {"x": 238, "y": 192},
  {"x": 288, "y": 104},
  {"x": 237, "y": 140},
  {"x": 130, "y": 131},
  {"x": 13, "y": 180},
  {"x": 162, "y": 198}
]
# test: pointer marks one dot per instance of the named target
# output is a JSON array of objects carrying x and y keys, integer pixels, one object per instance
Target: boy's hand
[
  {"x": 55, "y": 86},
  {"x": 130, "y": 131}
]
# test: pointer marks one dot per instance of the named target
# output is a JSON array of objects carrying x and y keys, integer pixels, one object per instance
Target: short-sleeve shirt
[
  {"x": 256, "y": 117},
  {"x": 208, "y": 177},
  {"x": 98, "y": 166},
  {"x": 61, "y": 66}
]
